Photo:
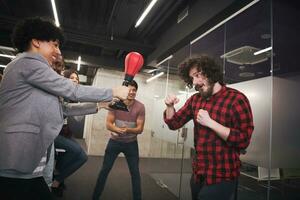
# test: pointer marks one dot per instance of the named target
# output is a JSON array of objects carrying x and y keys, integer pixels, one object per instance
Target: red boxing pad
[{"x": 133, "y": 63}]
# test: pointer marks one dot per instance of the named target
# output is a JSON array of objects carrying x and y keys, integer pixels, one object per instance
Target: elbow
[
  {"x": 140, "y": 131},
  {"x": 173, "y": 128},
  {"x": 245, "y": 144},
  {"x": 172, "y": 125}
]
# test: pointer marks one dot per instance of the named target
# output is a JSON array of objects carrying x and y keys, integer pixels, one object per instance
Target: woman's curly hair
[
  {"x": 35, "y": 28},
  {"x": 206, "y": 65}
]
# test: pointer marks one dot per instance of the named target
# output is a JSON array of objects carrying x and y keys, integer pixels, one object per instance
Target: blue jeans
[
  {"x": 131, "y": 152},
  {"x": 226, "y": 190},
  {"x": 71, "y": 160}
]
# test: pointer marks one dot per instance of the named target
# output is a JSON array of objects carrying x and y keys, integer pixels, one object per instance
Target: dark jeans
[
  {"x": 226, "y": 190},
  {"x": 71, "y": 160},
  {"x": 16, "y": 189},
  {"x": 131, "y": 152}
]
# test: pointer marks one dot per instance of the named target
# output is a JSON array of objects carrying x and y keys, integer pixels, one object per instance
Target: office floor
[
  {"x": 118, "y": 187},
  {"x": 160, "y": 180}
]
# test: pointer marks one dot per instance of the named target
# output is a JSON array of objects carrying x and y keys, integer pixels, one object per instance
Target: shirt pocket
[{"x": 23, "y": 128}]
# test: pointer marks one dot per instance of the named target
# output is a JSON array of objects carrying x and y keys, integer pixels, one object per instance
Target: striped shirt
[
  {"x": 217, "y": 160},
  {"x": 128, "y": 119}
]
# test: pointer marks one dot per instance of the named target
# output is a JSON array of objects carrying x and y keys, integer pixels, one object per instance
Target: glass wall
[
  {"x": 172, "y": 169},
  {"x": 285, "y": 111},
  {"x": 257, "y": 49},
  {"x": 248, "y": 68},
  {"x": 234, "y": 45}
]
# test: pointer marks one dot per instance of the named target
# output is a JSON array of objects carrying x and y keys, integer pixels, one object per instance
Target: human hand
[
  {"x": 171, "y": 100},
  {"x": 120, "y": 92},
  {"x": 103, "y": 105},
  {"x": 122, "y": 130},
  {"x": 203, "y": 118}
]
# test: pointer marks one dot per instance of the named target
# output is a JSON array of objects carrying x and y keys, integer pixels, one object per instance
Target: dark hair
[
  {"x": 206, "y": 65},
  {"x": 69, "y": 72},
  {"x": 35, "y": 28},
  {"x": 134, "y": 84},
  {"x": 0, "y": 78}
]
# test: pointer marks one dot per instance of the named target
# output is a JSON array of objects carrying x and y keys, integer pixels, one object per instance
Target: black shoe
[
  {"x": 57, "y": 191},
  {"x": 63, "y": 185}
]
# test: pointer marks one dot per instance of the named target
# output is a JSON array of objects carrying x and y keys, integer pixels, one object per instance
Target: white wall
[{"x": 279, "y": 125}]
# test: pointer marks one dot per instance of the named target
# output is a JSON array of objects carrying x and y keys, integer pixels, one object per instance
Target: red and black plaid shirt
[{"x": 217, "y": 160}]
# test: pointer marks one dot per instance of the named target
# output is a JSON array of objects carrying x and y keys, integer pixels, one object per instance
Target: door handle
[{"x": 183, "y": 134}]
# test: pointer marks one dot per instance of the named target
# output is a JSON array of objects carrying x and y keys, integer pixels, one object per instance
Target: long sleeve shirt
[{"x": 217, "y": 160}]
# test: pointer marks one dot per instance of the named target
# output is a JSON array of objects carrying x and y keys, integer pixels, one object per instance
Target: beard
[{"x": 205, "y": 94}]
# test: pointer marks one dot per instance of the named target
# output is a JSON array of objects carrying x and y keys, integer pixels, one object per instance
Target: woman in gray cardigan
[{"x": 31, "y": 114}]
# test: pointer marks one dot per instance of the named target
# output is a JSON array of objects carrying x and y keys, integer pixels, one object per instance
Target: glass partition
[
  {"x": 257, "y": 49},
  {"x": 248, "y": 68},
  {"x": 242, "y": 45},
  {"x": 172, "y": 157},
  {"x": 285, "y": 110}
]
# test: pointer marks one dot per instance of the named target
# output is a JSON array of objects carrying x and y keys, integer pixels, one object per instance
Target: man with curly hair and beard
[
  {"x": 31, "y": 114},
  {"x": 223, "y": 126}
]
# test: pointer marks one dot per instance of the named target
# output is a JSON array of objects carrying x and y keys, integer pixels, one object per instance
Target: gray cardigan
[{"x": 31, "y": 115}]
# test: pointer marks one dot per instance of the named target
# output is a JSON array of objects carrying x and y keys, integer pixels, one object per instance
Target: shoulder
[
  {"x": 138, "y": 108},
  {"x": 32, "y": 57},
  {"x": 36, "y": 60},
  {"x": 238, "y": 97},
  {"x": 30, "y": 61},
  {"x": 236, "y": 93},
  {"x": 194, "y": 98},
  {"x": 139, "y": 104}
]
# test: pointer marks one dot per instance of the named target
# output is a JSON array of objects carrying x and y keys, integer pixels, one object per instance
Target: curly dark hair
[
  {"x": 35, "y": 28},
  {"x": 206, "y": 65}
]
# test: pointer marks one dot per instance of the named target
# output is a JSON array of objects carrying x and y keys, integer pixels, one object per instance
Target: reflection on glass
[{"x": 246, "y": 36}]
